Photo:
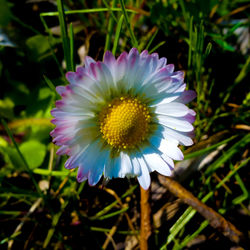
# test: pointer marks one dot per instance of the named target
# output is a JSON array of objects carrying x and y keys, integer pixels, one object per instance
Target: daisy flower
[{"x": 123, "y": 117}]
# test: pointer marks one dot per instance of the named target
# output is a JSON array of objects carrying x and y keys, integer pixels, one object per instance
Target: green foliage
[
  {"x": 5, "y": 13},
  {"x": 38, "y": 46},
  {"x": 203, "y": 38},
  {"x": 33, "y": 152},
  {"x": 6, "y": 108}
]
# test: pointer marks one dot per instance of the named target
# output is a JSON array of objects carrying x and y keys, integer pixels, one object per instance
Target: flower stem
[{"x": 145, "y": 231}]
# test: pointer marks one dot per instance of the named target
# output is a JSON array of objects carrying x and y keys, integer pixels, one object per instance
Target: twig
[
  {"x": 242, "y": 126},
  {"x": 216, "y": 220},
  {"x": 63, "y": 183},
  {"x": 111, "y": 233},
  {"x": 19, "y": 227},
  {"x": 236, "y": 11},
  {"x": 130, "y": 224}
]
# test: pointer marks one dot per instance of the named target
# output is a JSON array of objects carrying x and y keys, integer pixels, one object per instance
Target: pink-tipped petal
[
  {"x": 187, "y": 96},
  {"x": 88, "y": 61}
]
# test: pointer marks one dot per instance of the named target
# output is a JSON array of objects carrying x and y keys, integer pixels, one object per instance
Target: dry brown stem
[
  {"x": 215, "y": 219},
  {"x": 145, "y": 231}
]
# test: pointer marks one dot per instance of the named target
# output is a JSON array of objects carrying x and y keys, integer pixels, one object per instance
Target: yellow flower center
[{"x": 125, "y": 122}]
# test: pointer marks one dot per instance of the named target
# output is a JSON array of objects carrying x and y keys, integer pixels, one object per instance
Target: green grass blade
[
  {"x": 55, "y": 221},
  {"x": 50, "y": 84},
  {"x": 48, "y": 172},
  {"x": 157, "y": 46},
  {"x": 226, "y": 156},
  {"x": 14, "y": 213},
  {"x": 243, "y": 73},
  {"x": 110, "y": 9},
  {"x": 19, "y": 21},
  {"x": 132, "y": 35},
  {"x": 51, "y": 38},
  {"x": 86, "y": 11},
  {"x": 208, "y": 149},
  {"x": 184, "y": 12},
  {"x": 203, "y": 225},
  {"x": 189, "y": 213},
  {"x": 245, "y": 192},
  {"x": 107, "y": 216},
  {"x": 7, "y": 239},
  {"x": 180, "y": 223},
  {"x": 152, "y": 39},
  {"x": 230, "y": 174},
  {"x": 110, "y": 27},
  {"x": 117, "y": 34},
  {"x": 190, "y": 43},
  {"x": 64, "y": 34},
  {"x": 208, "y": 49},
  {"x": 71, "y": 45},
  {"x": 110, "y": 206}
]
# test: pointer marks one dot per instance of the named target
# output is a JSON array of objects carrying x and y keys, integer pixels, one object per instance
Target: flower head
[{"x": 123, "y": 117}]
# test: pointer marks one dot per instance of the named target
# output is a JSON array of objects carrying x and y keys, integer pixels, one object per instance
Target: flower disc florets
[
  {"x": 123, "y": 117},
  {"x": 124, "y": 124}
]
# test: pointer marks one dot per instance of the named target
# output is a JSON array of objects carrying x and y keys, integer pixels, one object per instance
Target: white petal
[
  {"x": 171, "y": 134},
  {"x": 88, "y": 88},
  {"x": 144, "y": 53},
  {"x": 164, "y": 98},
  {"x": 144, "y": 178},
  {"x": 136, "y": 165},
  {"x": 62, "y": 150},
  {"x": 111, "y": 64},
  {"x": 85, "y": 133},
  {"x": 88, "y": 60},
  {"x": 145, "y": 69},
  {"x": 96, "y": 172},
  {"x": 187, "y": 96},
  {"x": 74, "y": 160},
  {"x": 112, "y": 168},
  {"x": 175, "y": 123},
  {"x": 169, "y": 86},
  {"x": 120, "y": 68},
  {"x": 159, "y": 76},
  {"x": 169, "y": 161},
  {"x": 126, "y": 165},
  {"x": 163, "y": 88},
  {"x": 70, "y": 105},
  {"x": 133, "y": 61},
  {"x": 155, "y": 162},
  {"x": 192, "y": 112},
  {"x": 122, "y": 166},
  {"x": 88, "y": 94},
  {"x": 60, "y": 114},
  {"x": 161, "y": 63},
  {"x": 167, "y": 147},
  {"x": 91, "y": 165},
  {"x": 140, "y": 67},
  {"x": 103, "y": 78},
  {"x": 173, "y": 109},
  {"x": 154, "y": 80}
]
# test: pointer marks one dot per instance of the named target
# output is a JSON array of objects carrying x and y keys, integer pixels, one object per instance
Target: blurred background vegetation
[{"x": 41, "y": 204}]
